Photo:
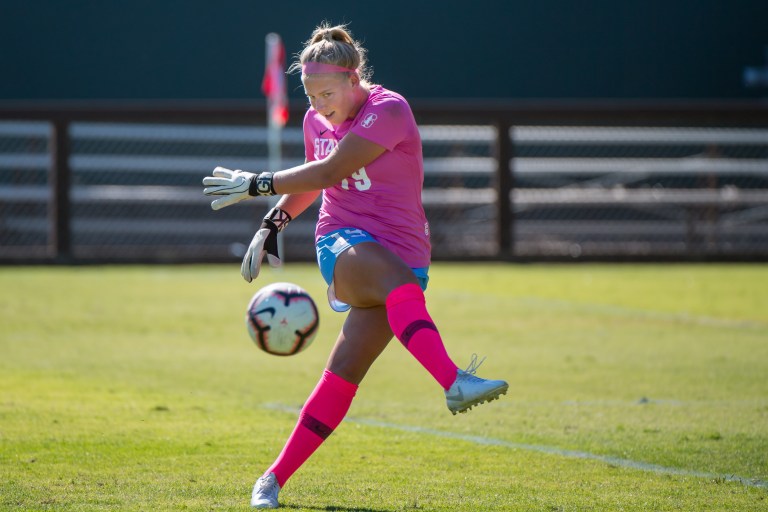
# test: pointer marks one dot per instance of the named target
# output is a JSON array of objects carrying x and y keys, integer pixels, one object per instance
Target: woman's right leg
[{"x": 363, "y": 337}]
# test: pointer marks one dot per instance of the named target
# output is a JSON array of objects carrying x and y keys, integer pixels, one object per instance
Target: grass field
[{"x": 632, "y": 388}]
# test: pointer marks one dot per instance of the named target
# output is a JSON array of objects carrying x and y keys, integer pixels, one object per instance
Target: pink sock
[
  {"x": 411, "y": 323},
  {"x": 321, "y": 414}
]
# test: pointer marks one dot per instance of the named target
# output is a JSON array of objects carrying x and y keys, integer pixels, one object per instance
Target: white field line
[{"x": 550, "y": 450}]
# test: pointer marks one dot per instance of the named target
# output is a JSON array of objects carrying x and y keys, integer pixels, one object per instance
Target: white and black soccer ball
[{"x": 282, "y": 319}]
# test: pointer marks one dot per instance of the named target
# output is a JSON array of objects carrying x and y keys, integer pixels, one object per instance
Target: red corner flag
[{"x": 273, "y": 86}]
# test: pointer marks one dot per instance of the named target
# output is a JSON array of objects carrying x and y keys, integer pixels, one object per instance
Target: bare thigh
[
  {"x": 363, "y": 337},
  {"x": 363, "y": 277},
  {"x": 366, "y": 273}
]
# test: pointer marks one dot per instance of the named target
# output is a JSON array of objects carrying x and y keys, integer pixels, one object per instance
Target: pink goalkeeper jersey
[{"x": 384, "y": 197}]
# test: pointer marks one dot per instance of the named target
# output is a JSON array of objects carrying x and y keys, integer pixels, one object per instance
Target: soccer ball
[{"x": 282, "y": 319}]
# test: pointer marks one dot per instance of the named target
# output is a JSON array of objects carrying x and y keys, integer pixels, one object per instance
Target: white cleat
[
  {"x": 265, "y": 492},
  {"x": 469, "y": 390}
]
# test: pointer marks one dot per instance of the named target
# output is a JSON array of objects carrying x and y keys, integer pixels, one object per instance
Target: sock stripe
[
  {"x": 314, "y": 425},
  {"x": 413, "y": 328}
]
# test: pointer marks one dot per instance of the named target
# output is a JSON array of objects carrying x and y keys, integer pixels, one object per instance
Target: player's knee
[{"x": 397, "y": 279}]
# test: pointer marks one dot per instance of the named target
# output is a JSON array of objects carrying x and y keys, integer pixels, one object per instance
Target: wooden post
[
  {"x": 59, "y": 221},
  {"x": 504, "y": 184}
]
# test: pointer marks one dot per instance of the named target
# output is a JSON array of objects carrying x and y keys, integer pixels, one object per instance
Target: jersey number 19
[{"x": 360, "y": 179}]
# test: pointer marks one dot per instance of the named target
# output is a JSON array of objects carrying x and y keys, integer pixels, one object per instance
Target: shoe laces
[
  {"x": 474, "y": 364},
  {"x": 267, "y": 484}
]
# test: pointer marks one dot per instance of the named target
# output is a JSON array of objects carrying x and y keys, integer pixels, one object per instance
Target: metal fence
[{"x": 82, "y": 183}]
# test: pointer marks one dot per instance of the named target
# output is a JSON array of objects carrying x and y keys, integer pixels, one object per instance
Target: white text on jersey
[{"x": 323, "y": 147}]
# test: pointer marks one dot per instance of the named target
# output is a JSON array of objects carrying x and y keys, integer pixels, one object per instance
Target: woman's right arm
[
  {"x": 295, "y": 204},
  {"x": 264, "y": 242}
]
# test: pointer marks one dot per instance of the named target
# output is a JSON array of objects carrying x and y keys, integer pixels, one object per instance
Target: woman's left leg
[{"x": 370, "y": 274}]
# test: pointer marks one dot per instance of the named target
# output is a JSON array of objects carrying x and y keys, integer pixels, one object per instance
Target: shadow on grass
[{"x": 331, "y": 508}]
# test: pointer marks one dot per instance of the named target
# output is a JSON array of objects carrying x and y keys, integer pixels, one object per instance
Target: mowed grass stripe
[{"x": 550, "y": 450}]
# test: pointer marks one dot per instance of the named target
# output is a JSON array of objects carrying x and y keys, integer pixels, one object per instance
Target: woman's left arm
[{"x": 352, "y": 153}]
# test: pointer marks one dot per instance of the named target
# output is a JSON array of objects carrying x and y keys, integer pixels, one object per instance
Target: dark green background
[{"x": 424, "y": 49}]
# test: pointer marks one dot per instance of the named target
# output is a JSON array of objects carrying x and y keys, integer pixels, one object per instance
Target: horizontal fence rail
[{"x": 121, "y": 181}]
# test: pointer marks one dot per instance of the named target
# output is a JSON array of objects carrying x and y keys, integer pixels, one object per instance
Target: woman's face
[{"x": 333, "y": 95}]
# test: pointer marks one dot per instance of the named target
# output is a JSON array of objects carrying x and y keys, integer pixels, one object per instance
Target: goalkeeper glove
[
  {"x": 236, "y": 186},
  {"x": 264, "y": 243}
]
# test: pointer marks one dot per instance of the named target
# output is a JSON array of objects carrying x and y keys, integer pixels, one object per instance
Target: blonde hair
[{"x": 333, "y": 45}]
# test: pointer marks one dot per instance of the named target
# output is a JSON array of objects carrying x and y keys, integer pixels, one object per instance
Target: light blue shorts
[{"x": 331, "y": 245}]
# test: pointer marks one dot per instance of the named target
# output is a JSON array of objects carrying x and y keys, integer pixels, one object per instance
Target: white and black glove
[
  {"x": 236, "y": 186},
  {"x": 264, "y": 242}
]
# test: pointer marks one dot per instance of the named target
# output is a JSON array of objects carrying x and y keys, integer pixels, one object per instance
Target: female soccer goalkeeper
[{"x": 363, "y": 153}]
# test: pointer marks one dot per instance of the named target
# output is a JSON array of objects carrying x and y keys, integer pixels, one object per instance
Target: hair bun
[{"x": 333, "y": 45}]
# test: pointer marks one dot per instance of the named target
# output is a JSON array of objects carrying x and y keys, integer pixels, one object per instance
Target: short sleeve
[
  {"x": 386, "y": 122},
  {"x": 309, "y": 149}
]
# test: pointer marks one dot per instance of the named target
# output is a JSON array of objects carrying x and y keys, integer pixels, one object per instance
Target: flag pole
[
  {"x": 275, "y": 74},
  {"x": 275, "y": 127}
]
